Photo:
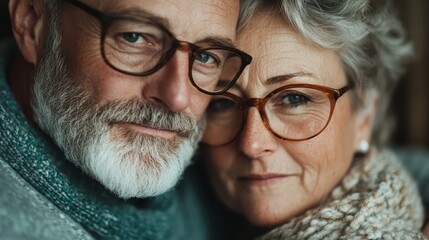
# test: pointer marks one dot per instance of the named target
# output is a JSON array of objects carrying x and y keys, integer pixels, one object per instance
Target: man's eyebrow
[
  {"x": 138, "y": 13},
  {"x": 285, "y": 77},
  {"x": 216, "y": 41}
]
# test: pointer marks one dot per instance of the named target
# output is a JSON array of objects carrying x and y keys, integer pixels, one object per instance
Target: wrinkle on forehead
[
  {"x": 228, "y": 9},
  {"x": 222, "y": 15},
  {"x": 188, "y": 20},
  {"x": 278, "y": 49}
]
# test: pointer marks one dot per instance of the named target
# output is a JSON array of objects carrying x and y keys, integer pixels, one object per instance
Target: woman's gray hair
[{"x": 366, "y": 34}]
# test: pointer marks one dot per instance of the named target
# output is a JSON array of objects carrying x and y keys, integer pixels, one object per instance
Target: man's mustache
[{"x": 148, "y": 114}]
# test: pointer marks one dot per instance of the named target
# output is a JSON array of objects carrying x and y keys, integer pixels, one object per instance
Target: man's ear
[
  {"x": 27, "y": 19},
  {"x": 365, "y": 117}
]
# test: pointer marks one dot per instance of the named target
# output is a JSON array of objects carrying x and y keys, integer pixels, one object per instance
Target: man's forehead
[{"x": 187, "y": 19}]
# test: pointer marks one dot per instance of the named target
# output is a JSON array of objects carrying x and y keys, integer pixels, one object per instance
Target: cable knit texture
[{"x": 375, "y": 200}]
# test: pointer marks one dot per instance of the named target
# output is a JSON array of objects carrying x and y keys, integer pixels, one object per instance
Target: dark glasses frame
[{"x": 106, "y": 20}]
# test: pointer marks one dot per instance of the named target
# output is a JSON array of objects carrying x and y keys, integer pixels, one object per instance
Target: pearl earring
[{"x": 363, "y": 146}]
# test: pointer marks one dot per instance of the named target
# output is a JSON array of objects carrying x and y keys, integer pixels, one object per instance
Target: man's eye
[
  {"x": 205, "y": 58},
  {"x": 133, "y": 37}
]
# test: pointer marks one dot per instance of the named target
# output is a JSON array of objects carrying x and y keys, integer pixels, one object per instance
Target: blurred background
[
  {"x": 410, "y": 103},
  {"x": 411, "y": 100}
]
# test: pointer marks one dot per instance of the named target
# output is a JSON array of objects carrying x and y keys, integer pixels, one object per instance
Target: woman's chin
[{"x": 268, "y": 219}]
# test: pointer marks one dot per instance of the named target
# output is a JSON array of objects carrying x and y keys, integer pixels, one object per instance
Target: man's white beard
[
  {"x": 127, "y": 163},
  {"x": 138, "y": 169}
]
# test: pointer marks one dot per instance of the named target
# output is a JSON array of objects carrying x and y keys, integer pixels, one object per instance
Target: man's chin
[
  {"x": 127, "y": 182},
  {"x": 149, "y": 172},
  {"x": 137, "y": 189}
]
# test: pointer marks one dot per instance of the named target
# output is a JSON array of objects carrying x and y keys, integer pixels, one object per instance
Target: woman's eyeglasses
[{"x": 294, "y": 112}]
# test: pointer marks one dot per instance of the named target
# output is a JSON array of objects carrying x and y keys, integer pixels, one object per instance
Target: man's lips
[{"x": 163, "y": 133}]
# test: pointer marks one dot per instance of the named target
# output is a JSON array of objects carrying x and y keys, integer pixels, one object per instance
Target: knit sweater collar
[
  {"x": 375, "y": 200},
  {"x": 33, "y": 156}
]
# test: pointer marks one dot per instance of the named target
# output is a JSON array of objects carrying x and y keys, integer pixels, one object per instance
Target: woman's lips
[
  {"x": 262, "y": 178},
  {"x": 163, "y": 133}
]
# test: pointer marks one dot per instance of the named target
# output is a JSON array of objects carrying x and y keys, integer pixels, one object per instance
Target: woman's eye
[
  {"x": 221, "y": 105},
  {"x": 205, "y": 58},
  {"x": 133, "y": 37},
  {"x": 295, "y": 99}
]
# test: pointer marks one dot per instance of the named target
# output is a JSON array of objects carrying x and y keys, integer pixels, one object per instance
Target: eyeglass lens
[
  {"x": 138, "y": 47},
  {"x": 292, "y": 113}
]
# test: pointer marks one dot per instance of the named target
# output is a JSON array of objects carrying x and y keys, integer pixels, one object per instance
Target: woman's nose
[{"x": 256, "y": 140}]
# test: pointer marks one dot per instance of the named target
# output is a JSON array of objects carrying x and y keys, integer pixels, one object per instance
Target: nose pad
[{"x": 256, "y": 140}]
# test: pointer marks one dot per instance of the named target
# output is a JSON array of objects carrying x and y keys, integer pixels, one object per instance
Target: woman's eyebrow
[{"x": 285, "y": 77}]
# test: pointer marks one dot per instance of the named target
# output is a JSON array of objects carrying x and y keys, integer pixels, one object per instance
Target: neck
[{"x": 20, "y": 79}]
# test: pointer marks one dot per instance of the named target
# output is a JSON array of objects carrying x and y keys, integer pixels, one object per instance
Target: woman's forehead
[{"x": 277, "y": 49}]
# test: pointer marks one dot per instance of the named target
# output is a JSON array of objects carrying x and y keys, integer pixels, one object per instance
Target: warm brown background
[{"x": 411, "y": 100}]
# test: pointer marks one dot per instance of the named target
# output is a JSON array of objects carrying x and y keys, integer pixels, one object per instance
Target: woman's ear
[
  {"x": 27, "y": 20},
  {"x": 365, "y": 117}
]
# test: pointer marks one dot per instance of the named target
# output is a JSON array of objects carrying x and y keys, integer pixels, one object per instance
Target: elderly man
[{"x": 118, "y": 88}]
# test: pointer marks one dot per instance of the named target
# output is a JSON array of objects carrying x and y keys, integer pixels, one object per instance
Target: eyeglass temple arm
[{"x": 341, "y": 91}]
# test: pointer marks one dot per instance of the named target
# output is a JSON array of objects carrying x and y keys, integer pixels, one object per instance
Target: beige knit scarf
[{"x": 375, "y": 200}]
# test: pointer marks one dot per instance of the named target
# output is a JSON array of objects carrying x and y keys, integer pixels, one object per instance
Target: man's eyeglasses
[
  {"x": 140, "y": 46},
  {"x": 294, "y": 112}
]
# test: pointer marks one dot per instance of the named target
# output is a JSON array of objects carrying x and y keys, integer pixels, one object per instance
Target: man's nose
[
  {"x": 256, "y": 140},
  {"x": 171, "y": 85}
]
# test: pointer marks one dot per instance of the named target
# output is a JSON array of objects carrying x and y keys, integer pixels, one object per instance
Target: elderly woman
[{"x": 295, "y": 146}]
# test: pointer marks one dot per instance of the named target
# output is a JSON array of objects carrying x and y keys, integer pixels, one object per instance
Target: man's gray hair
[
  {"x": 53, "y": 6},
  {"x": 366, "y": 34}
]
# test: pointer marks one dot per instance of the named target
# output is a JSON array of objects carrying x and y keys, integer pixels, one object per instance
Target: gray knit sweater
[{"x": 44, "y": 196}]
